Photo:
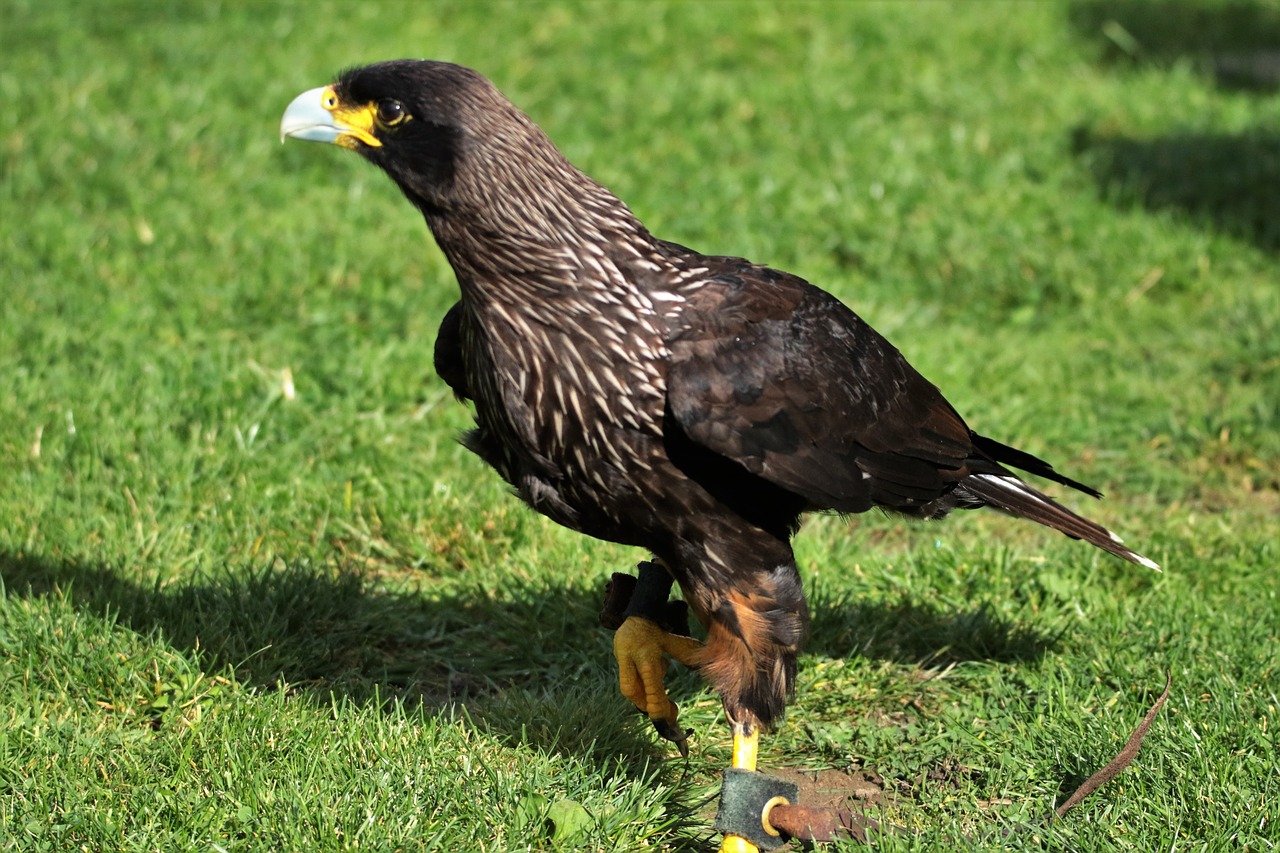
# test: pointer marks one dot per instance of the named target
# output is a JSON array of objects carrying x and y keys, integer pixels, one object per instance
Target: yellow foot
[
  {"x": 746, "y": 748},
  {"x": 641, "y": 648}
]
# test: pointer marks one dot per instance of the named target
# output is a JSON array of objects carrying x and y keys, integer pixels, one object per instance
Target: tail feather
[
  {"x": 1008, "y": 493},
  {"x": 1024, "y": 461}
]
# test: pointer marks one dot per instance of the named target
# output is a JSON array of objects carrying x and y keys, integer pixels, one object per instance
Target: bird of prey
[{"x": 644, "y": 393}]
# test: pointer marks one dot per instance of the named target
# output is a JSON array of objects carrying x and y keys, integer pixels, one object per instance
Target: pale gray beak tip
[{"x": 306, "y": 118}]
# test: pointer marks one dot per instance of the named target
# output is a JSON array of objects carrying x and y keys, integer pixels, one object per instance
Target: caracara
[{"x": 638, "y": 391}]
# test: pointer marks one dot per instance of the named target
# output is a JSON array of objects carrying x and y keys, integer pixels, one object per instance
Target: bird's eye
[
  {"x": 391, "y": 113},
  {"x": 329, "y": 100}
]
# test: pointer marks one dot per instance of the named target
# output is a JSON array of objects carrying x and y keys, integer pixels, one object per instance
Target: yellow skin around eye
[{"x": 400, "y": 117}]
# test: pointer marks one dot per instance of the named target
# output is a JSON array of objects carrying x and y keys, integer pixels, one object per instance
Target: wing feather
[{"x": 784, "y": 379}]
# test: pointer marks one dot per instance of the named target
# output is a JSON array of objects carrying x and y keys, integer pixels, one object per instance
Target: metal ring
[{"x": 764, "y": 814}]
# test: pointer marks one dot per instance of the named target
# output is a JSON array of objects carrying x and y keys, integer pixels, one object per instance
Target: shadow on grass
[
  {"x": 326, "y": 633},
  {"x": 913, "y": 633},
  {"x": 528, "y": 670},
  {"x": 302, "y": 626},
  {"x": 1228, "y": 182},
  {"x": 1237, "y": 42}
]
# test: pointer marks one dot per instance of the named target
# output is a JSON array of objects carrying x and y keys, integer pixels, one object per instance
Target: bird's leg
[
  {"x": 746, "y": 748},
  {"x": 641, "y": 647}
]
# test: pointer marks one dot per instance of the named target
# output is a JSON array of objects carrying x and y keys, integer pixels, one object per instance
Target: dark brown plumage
[{"x": 638, "y": 391}]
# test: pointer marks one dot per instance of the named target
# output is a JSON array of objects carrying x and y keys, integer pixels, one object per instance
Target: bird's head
[
  {"x": 416, "y": 119},
  {"x": 467, "y": 157}
]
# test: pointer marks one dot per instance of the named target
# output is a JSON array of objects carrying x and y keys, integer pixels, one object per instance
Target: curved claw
[
  {"x": 642, "y": 648},
  {"x": 672, "y": 731}
]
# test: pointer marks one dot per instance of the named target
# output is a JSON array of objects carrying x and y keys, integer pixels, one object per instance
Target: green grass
[{"x": 256, "y": 598}]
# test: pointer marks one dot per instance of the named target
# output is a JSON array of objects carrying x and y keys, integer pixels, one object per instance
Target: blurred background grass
[{"x": 256, "y": 597}]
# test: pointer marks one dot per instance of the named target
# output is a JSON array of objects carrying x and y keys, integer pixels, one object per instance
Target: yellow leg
[
  {"x": 737, "y": 844},
  {"x": 746, "y": 748}
]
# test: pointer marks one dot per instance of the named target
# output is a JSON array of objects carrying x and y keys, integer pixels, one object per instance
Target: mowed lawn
[{"x": 253, "y": 596}]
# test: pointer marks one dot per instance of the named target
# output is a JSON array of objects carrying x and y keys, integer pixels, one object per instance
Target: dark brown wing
[
  {"x": 448, "y": 359},
  {"x": 781, "y": 377}
]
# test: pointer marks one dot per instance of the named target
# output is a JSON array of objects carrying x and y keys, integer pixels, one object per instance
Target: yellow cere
[{"x": 356, "y": 122}]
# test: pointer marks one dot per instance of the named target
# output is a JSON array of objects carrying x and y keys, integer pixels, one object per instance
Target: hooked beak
[{"x": 318, "y": 115}]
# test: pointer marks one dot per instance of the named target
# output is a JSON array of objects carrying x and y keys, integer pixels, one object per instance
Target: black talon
[{"x": 674, "y": 734}]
